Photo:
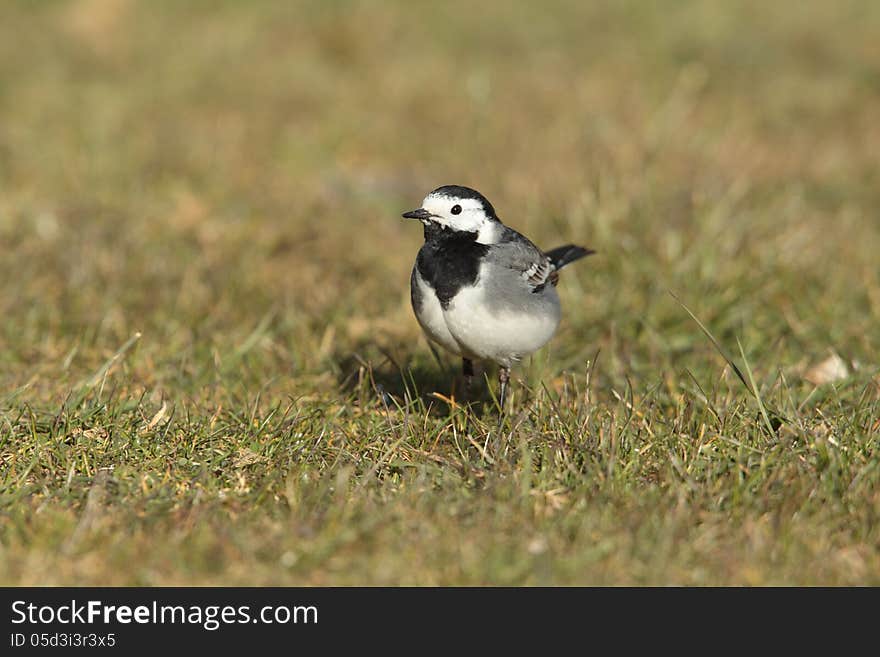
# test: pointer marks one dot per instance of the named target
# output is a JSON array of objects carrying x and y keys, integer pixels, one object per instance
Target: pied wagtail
[{"x": 480, "y": 289}]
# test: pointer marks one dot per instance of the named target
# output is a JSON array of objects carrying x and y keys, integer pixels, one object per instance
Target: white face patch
[{"x": 471, "y": 218}]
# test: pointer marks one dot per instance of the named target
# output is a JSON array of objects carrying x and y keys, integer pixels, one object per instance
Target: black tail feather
[{"x": 563, "y": 255}]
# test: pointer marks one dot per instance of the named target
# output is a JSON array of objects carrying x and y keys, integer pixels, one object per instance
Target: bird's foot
[{"x": 503, "y": 379}]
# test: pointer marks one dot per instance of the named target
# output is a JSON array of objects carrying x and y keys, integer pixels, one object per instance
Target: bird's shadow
[{"x": 393, "y": 382}]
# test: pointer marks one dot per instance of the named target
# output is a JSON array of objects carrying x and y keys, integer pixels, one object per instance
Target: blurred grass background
[{"x": 225, "y": 180}]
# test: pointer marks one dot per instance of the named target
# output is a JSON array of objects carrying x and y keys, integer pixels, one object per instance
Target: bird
[{"x": 480, "y": 289}]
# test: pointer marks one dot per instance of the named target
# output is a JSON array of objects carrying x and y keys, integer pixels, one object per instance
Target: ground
[{"x": 209, "y": 369}]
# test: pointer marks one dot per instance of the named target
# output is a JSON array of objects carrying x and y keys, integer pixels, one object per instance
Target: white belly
[
  {"x": 499, "y": 334},
  {"x": 430, "y": 317}
]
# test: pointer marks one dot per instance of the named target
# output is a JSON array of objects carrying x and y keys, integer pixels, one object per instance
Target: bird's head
[{"x": 459, "y": 209}]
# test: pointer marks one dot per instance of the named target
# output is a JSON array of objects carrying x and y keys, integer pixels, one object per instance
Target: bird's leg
[
  {"x": 503, "y": 378},
  {"x": 467, "y": 371}
]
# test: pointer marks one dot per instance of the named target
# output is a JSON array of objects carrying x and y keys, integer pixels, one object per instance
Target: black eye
[{"x": 456, "y": 209}]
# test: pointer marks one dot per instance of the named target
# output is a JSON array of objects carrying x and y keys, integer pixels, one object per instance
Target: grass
[{"x": 209, "y": 370}]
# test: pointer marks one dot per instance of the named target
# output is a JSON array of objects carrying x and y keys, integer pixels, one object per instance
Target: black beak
[{"x": 421, "y": 214}]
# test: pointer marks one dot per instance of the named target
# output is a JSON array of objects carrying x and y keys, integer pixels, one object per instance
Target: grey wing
[{"x": 517, "y": 253}]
